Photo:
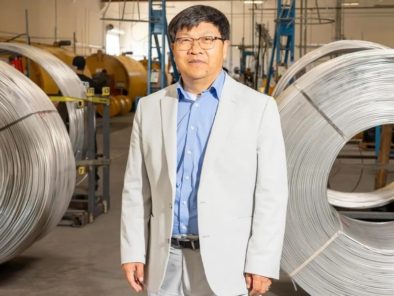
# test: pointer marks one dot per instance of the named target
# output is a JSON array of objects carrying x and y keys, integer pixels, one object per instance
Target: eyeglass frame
[{"x": 214, "y": 38}]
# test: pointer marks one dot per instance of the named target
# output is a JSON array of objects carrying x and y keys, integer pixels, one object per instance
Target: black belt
[{"x": 184, "y": 243}]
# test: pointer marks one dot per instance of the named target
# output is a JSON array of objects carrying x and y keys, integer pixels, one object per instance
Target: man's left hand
[{"x": 257, "y": 284}]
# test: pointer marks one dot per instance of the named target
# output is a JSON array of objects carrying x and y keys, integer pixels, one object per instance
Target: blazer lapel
[
  {"x": 169, "y": 110},
  {"x": 225, "y": 118}
]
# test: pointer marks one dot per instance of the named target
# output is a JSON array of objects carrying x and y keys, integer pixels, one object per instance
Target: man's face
[{"x": 197, "y": 63}]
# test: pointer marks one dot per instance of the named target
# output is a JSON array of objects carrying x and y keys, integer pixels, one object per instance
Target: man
[
  {"x": 205, "y": 194},
  {"x": 79, "y": 63}
]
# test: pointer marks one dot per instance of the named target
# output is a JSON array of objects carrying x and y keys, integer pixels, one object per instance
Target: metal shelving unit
[{"x": 86, "y": 205}]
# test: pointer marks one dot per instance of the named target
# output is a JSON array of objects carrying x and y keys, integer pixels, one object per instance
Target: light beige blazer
[{"x": 242, "y": 197}]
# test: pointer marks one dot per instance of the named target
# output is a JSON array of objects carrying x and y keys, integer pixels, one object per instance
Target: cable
[
  {"x": 37, "y": 165},
  {"x": 324, "y": 252}
]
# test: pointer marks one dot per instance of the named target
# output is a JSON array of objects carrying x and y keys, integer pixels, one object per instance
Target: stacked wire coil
[
  {"x": 37, "y": 164},
  {"x": 307, "y": 62},
  {"x": 69, "y": 85},
  {"x": 324, "y": 252}
]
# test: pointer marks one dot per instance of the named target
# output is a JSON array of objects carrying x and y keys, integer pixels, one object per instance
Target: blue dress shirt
[{"x": 194, "y": 122}]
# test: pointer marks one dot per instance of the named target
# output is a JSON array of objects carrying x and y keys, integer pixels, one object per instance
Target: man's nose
[{"x": 195, "y": 47}]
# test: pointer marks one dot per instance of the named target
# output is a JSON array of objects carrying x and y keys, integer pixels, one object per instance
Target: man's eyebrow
[{"x": 206, "y": 33}]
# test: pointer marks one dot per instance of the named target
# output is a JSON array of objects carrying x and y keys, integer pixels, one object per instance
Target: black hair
[
  {"x": 79, "y": 62},
  {"x": 192, "y": 16}
]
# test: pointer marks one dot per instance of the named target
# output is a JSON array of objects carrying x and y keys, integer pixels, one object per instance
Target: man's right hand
[{"x": 134, "y": 273}]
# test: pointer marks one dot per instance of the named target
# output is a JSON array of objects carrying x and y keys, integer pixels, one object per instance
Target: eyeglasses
[{"x": 205, "y": 42}]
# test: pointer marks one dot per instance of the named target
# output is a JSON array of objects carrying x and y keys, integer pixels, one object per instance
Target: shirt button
[
  {"x": 184, "y": 202},
  {"x": 192, "y": 127},
  {"x": 183, "y": 227},
  {"x": 187, "y": 177},
  {"x": 197, "y": 104},
  {"x": 189, "y": 152}
]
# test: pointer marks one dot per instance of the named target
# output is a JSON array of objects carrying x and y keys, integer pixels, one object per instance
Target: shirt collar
[{"x": 215, "y": 89}]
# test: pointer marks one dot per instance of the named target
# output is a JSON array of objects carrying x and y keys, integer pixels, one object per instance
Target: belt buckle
[{"x": 187, "y": 240}]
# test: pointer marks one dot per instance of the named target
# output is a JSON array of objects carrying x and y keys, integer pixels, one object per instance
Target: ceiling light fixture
[
  {"x": 351, "y": 4},
  {"x": 254, "y": 2}
]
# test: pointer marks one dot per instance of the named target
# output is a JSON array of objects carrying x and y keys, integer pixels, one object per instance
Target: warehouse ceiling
[
  {"x": 361, "y": 2},
  {"x": 327, "y": 3}
]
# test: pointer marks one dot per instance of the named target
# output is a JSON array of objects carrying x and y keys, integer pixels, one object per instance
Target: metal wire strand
[
  {"x": 327, "y": 253},
  {"x": 37, "y": 165},
  {"x": 68, "y": 83}
]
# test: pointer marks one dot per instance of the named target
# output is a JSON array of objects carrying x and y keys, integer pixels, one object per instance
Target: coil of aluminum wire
[
  {"x": 37, "y": 164},
  {"x": 328, "y": 50},
  {"x": 362, "y": 200},
  {"x": 324, "y": 252},
  {"x": 341, "y": 199},
  {"x": 68, "y": 83}
]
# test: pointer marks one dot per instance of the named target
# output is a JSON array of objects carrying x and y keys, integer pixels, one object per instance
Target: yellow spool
[
  {"x": 129, "y": 103},
  {"x": 122, "y": 104},
  {"x": 114, "y": 107},
  {"x": 126, "y": 74},
  {"x": 125, "y": 104}
]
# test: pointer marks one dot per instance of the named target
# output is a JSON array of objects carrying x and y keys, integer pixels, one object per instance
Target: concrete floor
[{"x": 85, "y": 261}]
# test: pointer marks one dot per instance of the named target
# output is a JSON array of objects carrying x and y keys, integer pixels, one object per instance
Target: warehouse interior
[{"x": 329, "y": 64}]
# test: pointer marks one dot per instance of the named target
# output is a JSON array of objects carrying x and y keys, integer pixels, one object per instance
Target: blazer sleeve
[
  {"x": 271, "y": 193},
  {"x": 136, "y": 200}
]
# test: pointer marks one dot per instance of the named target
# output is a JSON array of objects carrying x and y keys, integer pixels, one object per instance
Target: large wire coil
[
  {"x": 327, "y": 253},
  {"x": 37, "y": 165},
  {"x": 306, "y": 63},
  {"x": 68, "y": 83},
  {"x": 362, "y": 200},
  {"x": 331, "y": 49}
]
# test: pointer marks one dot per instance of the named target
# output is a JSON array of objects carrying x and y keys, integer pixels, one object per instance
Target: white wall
[{"x": 48, "y": 19}]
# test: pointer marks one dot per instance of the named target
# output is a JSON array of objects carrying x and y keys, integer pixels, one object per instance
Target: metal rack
[{"x": 86, "y": 205}]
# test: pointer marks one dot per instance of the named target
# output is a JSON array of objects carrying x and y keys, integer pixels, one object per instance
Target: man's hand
[
  {"x": 257, "y": 284},
  {"x": 134, "y": 273}
]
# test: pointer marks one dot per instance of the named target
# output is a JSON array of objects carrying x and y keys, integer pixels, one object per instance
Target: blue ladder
[
  {"x": 284, "y": 27},
  {"x": 158, "y": 27}
]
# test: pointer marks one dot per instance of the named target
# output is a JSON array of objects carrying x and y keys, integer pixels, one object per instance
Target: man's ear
[
  {"x": 173, "y": 49},
  {"x": 226, "y": 46}
]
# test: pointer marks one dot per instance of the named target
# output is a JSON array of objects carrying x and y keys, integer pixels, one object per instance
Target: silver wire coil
[
  {"x": 68, "y": 83},
  {"x": 306, "y": 62},
  {"x": 341, "y": 199},
  {"x": 37, "y": 165},
  {"x": 324, "y": 252},
  {"x": 362, "y": 200}
]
